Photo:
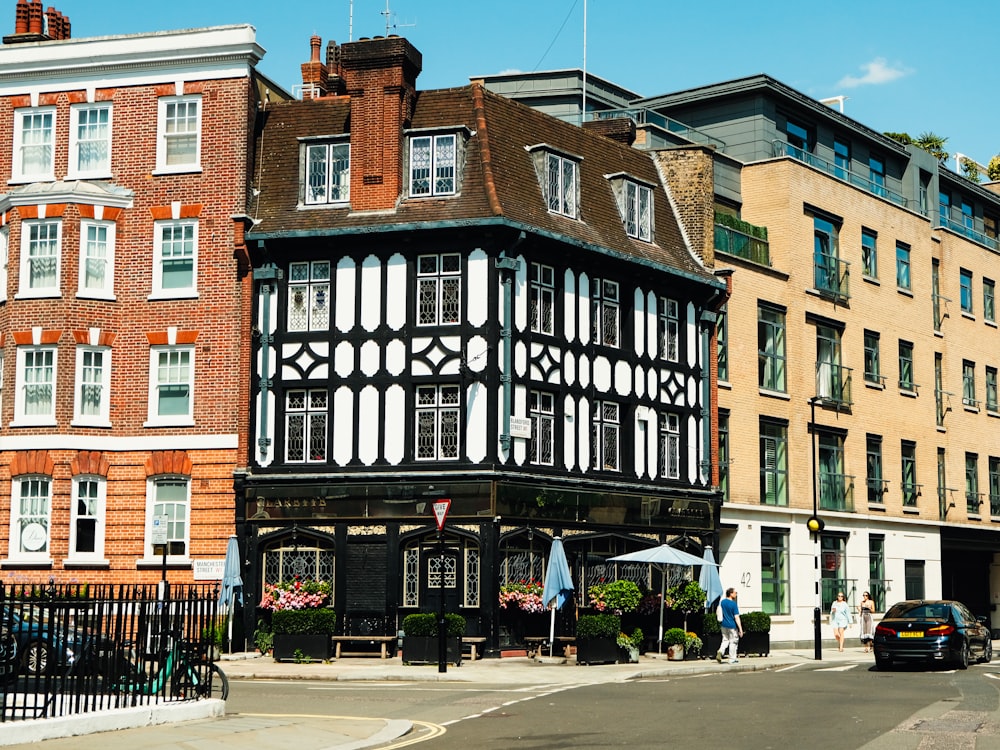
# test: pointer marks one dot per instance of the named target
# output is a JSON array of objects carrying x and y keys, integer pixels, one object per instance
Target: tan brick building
[{"x": 124, "y": 297}]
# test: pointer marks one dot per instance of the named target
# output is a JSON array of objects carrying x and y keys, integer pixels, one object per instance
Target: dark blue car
[
  {"x": 32, "y": 643},
  {"x": 941, "y": 631}
]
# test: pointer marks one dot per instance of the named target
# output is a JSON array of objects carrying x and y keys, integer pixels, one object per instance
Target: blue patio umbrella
[
  {"x": 231, "y": 591},
  {"x": 709, "y": 579},
  {"x": 558, "y": 585}
]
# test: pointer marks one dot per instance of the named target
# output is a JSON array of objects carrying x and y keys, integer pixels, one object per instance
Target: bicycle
[{"x": 186, "y": 668}]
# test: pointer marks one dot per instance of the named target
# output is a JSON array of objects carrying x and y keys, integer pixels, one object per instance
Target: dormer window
[
  {"x": 327, "y": 173},
  {"x": 561, "y": 185},
  {"x": 433, "y": 165},
  {"x": 635, "y": 204}
]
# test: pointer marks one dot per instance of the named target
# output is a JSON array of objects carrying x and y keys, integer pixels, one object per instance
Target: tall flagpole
[{"x": 583, "y": 103}]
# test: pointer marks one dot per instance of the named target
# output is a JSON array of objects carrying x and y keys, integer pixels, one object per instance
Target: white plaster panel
[
  {"x": 692, "y": 333},
  {"x": 369, "y": 425},
  {"x": 602, "y": 374},
  {"x": 569, "y": 368},
  {"x": 395, "y": 421},
  {"x": 583, "y": 434},
  {"x": 569, "y": 446},
  {"x": 652, "y": 313},
  {"x": 343, "y": 359},
  {"x": 395, "y": 357},
  {"x": 395, "y": 292},
  {"x": 346, "y": 294},
  {"x": 651, "y": 384},
  {"x": 370, "y": 358},
  {"x": 343, "y": 409},
  {"x": 640, "y": 428},
  {"x": 476, "y": 357},
  {"x": 268, "y": 458},
  {"x": 692, "y": 390},
  {"x": 519, "y": 408},
  {"x": 476, "y": 417},
  {"x": 478, "y": 288},
  {"x": 584, "y": 371},
  {"x": 652, "y": 439},
  {"x": 520, "y": 290},
  {"x": 569, "y": 306},
  {"x": 623, "y": 378},
  {"x": 640, "y": 382},
  {"x": 520, "y": 358},
  {"x": 371, "y": 299},
  {"x": 640, "y": 321},
  {"x": 321, "y": 349},
  {"x": 583, "y": 305},
  {"x": 501, "y": 451}
]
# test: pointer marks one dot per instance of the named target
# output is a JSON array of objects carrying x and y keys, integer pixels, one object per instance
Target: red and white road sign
[{"x": 441, "y": 508}]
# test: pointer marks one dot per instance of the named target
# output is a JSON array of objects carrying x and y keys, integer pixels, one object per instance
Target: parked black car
[
  {"x": 33, "y": 644},
  {"x": 931, "y": 631}
]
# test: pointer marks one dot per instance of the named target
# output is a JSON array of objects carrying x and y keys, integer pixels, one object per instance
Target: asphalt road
[{"x": 841, "y": 707}]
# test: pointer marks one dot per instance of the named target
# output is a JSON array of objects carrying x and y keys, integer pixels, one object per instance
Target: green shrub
[
  {"x": 263, "y": 638},
  {"x": 675, "y": 637},
  {"x": 710, "y": 624},
  {"x": 756, "y": 622},
  {"x": 727, "y": 220},
  {"x": 618, "y": 597},
  {"x": 314, "y": 621},
  {"x": 599, "y": 626},
  {"x": 425, "y": 624}
]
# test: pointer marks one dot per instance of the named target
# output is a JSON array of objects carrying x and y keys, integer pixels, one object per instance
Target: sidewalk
[{"x": 176, "y": 728}]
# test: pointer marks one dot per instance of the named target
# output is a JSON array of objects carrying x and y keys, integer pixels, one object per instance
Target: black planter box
[
  {"x": 710, "y": 644},
  {"x": 423, "y": 649},
  {"x": 755, "y": 643},
  {"x": 316, "y": 647},
  {"x": 596, "y": 651}
]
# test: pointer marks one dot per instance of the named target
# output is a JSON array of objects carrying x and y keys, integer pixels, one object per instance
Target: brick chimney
[
  {"x": 380, "y": 76},
  {"x": 314, "y": 73},
  {"x": 33, "y": 24},
  {"x": 621, "y": 129}
]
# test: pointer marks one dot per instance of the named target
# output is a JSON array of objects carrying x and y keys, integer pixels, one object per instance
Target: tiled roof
[{"x": 498, "y": 178}]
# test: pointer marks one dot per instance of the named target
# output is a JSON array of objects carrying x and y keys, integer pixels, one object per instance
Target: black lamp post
[{"x": 815, "y": 524}]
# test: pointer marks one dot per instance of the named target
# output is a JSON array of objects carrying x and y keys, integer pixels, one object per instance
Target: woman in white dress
[{"x": 866, "y": 610}]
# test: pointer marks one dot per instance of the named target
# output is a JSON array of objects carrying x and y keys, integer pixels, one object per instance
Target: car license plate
[{"x": 911, "y": 633}]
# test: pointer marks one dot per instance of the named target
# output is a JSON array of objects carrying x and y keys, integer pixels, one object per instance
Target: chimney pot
[
  {"x": 315, "y": 43},
  {"x": 22, "y": 12},
  {"x": 35, "y": 17}
]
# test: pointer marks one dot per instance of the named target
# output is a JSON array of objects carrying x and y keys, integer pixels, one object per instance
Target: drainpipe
[
  {"x": 508, "y": 267},
  {"x": 268, "y": 274}
]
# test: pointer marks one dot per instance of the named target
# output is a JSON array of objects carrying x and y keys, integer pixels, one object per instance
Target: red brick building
[{"x": 124, "y": 288}]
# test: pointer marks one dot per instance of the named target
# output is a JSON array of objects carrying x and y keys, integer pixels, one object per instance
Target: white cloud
[{"x": 877, "y": 72}]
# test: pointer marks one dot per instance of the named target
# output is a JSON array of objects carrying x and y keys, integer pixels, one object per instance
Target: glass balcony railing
[
  {"x": 783, "y": 148},
  {"x": 877, "y": 488},
  {"x": 994, "y": 505},
  {"x": 836, "y": 492},
  {"x": 643, "y": 116},
  {"x": 969, "y": 226},
  {"x": 742, "y": 245},
  {"x": 911, "y": 491},
  {"x": 832, "y": 276},
  {"x": 973, "y": 502},
  {"x": 833, "y": 383}
]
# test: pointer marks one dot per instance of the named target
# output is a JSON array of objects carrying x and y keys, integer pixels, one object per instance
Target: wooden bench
[
  {"x": 475, "y": 644},
  {"x": 382, "y": 640},
  {"x": 536, "y": 643}
]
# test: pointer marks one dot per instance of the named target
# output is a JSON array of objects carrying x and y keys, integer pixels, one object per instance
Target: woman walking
[
  {"x": 867, "y": 609},
  {"x": 840, "y": 618}
]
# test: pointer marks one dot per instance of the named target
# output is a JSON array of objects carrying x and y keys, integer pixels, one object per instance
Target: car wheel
[
  {"x": 987, "y": 652},
  {"x": 963, "y": 656},
  {"x": 36, "y": 658}
]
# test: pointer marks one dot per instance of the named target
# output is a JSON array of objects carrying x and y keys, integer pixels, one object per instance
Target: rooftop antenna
[
  {"x": 350, "y": 23},
  {"x": 583, "y": 102},
  {"x": 391, "y": 24}
]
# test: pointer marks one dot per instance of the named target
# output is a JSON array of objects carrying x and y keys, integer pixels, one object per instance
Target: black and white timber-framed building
[{"x": 460, "y": 297}]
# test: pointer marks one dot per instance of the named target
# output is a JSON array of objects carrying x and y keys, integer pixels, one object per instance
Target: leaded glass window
[
  {"x": 437, "y": 422},
  {"x": 439, "y": 289},
  {"x": 668, "y": 328},
  {"x": 542, "y": 409},
  {"x": 604, "y": 448},
  {"x": 433, "y": 163},
  {"x": 561, "y": 185},
  {"x": 670, "y": 446},
  {"x": 309, "y": 296},
  {"x": 605, "y": 327},
  {"x": 542, "y": 298},
  {"x": 328, "y": 173},
  {"x": 306, "y": 419}
]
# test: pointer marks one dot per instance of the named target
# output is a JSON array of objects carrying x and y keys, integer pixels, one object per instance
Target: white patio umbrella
[
  {"x": 709, "y": 578},
  {"x": 558, "y": 585},
  {"x": 660, "y": 557}
]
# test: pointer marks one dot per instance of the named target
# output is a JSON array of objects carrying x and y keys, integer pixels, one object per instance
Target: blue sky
[{"x": 914, "y": 67}]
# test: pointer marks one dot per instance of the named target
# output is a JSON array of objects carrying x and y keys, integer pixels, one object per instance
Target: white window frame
[
  {"x": 605, "y": 311},
  {"x": 155, "y": 419},
  {"x": 21, "y": 418},
  {"x": 670, "y": 446},
  {"x": 4, "y": 259},
  {"x": 103, "y": 168},
  {"x": 163, "y": 138},
  {"x": 637, "y": 211},
  {"x": 159, "y": 228},
  {"x": 84, "y": 378},
  {"x": 107, "y": 229},
  {"x": 439, "y": 280},
  {"x": 541, "y": 408},
  {"x": 543, "y": 292},
  {"x": 18, "y": 173},
  {"x": 100, "y": 485},
  {"x": 561, "y": 181},
  {"x": 25, "y": 289},
  {"x": 335, "y": 161},
  {"x": 39, "y": 517},
  {"x": 154, "y": 503},
  {"x": 309, "y": 287},
  {"x": 437, "y": 173},
  {"x": 668, "y": 329},
  {"x": 314, "y": 414},
  {"x": 606, "y": 425},
  {"x": 437, "y": 406}
]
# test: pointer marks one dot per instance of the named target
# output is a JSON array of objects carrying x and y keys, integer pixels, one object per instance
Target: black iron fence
[{"x": 72, "y": 649}]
